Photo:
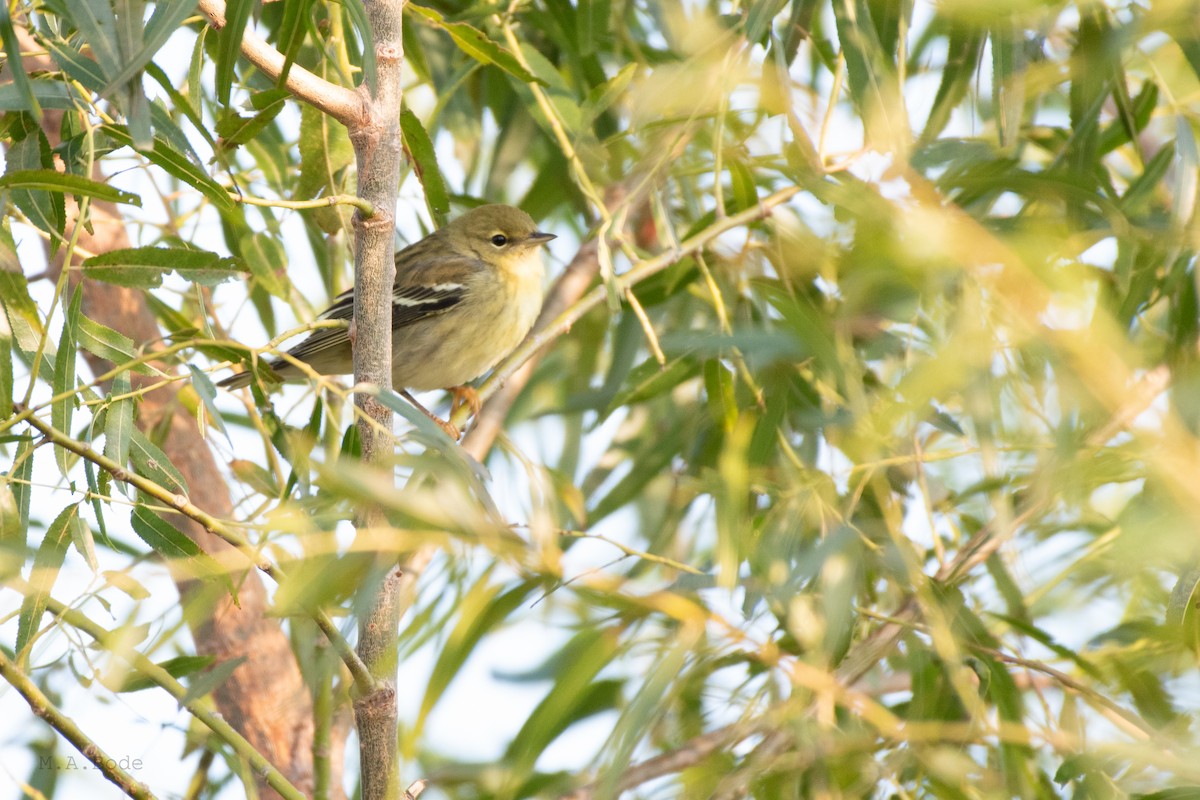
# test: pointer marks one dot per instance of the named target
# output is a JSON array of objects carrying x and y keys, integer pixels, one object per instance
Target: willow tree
[{"x": 853, "y": 452}]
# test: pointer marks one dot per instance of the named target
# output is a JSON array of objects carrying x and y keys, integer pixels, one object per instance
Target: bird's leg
[
  {"x": 468, "y": 395},
  {"x": 450, "y": 430}
]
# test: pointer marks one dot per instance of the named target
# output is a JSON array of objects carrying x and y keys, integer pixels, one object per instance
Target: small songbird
[{"x": 464, "y": 297}]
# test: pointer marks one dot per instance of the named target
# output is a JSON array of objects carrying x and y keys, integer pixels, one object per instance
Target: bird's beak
[{"x": 537, "y": 237}]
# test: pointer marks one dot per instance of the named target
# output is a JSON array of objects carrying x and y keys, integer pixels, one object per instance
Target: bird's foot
[
  {"x": 449, "y": 429},
  {"x": 468, "y": 395}
]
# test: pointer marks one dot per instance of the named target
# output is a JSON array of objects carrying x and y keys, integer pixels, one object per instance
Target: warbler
[{"x": 463, "y": 298}]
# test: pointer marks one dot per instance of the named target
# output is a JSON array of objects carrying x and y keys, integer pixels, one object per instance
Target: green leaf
[
  {"x": 208, "y": 393},
  {"x": 649, "y": 380},
  {"x": 46, "y": 210},
  {"x": 267, "y": 259},
  {"x": 210, "y": 680},
  {"x": 14, "y": 529},
  {"x": 602, "y": 97},
  {"x": 235, "y": 129},
  {"x": 292, "y": 30},
  {"x": 420, "y": 152},
  {"x": 482, "y": 610},
  {"x": 173, "y": 545},
  {"x": 85, "y": 545},
  {"x": 42, "y": 575},
  {"x": 871, "y": 76},
  {"x": 21, "y": 86},
  {"x": 325, "y": 150},
  {"x": 166, "y": 20},
  {"x": 359, "y": 22},
  {"x": 64, "y": 378},
  {"x": 229, "y": 45},
  {"x": 176, "y": 164},
  {"x": 759, "y": 17},
  {"x": 152, "y": 463},
  {"x": 19, "y": 308},
  {"x": 177, "y": 667},
  {"x": 476, "y": 44},
  {"x": 53, "y": 181},
  {"x": 47, "y": 93},
  {"x": 143, "y": 267},
  {"x": 118, "y": 422},
  {"x": 591, "y": 651},
  {"x": 101, "y": 340},
  {"x": 962, "y": 61},
  {"x": 6, "y": 375},
  {"x": 98, "y": 26}
]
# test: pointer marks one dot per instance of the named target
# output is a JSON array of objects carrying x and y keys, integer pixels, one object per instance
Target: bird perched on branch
[{"x": 464, "y": 297}]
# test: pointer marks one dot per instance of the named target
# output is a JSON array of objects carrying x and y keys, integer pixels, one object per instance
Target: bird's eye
[{"x": 499, "y": 240}]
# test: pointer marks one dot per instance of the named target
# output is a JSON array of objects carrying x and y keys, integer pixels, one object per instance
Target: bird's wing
[{"x": 422, "y": 288}]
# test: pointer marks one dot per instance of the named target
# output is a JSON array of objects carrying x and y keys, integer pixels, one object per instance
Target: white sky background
[{"x": 479, "y": 715}]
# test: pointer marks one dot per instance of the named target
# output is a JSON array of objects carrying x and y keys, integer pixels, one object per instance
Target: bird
[{"x": 464, "y": 297}]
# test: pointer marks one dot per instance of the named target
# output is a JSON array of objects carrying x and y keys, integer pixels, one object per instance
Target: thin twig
[
  {"x": 362, "y": 676},
  {"x": 344, "y": 105},
  {"x": 42, "y": 707},
  {"x": 115, "y": 643}
]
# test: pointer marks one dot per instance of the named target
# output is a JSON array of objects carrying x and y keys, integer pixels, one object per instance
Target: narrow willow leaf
[
  {"x": 85, "y": 545},
  {"x": 591, "y": 651},
  {"x": 101, "y": 340},
  {"x": 234, "y": 129},
  {"x": 208, "y": 393},
  {"x": 12, "y": 535},
  {"x": 21, "y": 85},
  {"x": 42, "y": 576},
  {"x": 118, "y": 422},
  {"x": 86, "y": 71},
  {"x": 962, "y": 61},
  {"x": 172, "y": 544},
  {"x": 424, "y": 160},
  {"x": 177, "y": 667},
  {"x": 19, "y": 308},
  {"x": 476, "y": 44},
  {"x": 229, "y": 45},
  {"x": 46, "y": 210},
  {"x": 125, "y": 583},
  {"x": 53, "y": 181},
  {"x": 649, "y": 380},
  {"x": 165, "y": 20},
  {"x": 870, "y": 74},
  {"x": 602, "y": 97},
  {"x": 176, "y": 164},
  {"x": 209, "y": 680},
  {"x": 98, "y": 26},
  {"x": 152, "y": 463},
  {"x": 481, "y": 611},
  {"x": 759, "y": 17},
  {"x": 194, "y": 86},
  {"x": 20, "y": 476},
  {"x": 293, "y": 28},
  {"x": 357, "y": 14},
  {"x": 267, "y": 262},
  {"x": 6, "y": 375},
  {"x": 89, "y": 471},
  {"x": 49, "y": 94},
  {"x": 1008, "y": 80},
  {"x": 64, "y": 378},
  {"x": 143, "y": 267}
]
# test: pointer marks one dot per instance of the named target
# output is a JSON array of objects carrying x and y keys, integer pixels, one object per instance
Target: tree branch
[
  {"x": 344, "y": 105},
  {"x": 66, "y": 727},
  {"x": 198, "y": 708},
  {"x": 186, "y": 507},
  {"x": 377, "y": 148}
]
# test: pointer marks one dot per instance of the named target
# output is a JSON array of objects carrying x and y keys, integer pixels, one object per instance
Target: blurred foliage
[{"x": 941, "y": 402}]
